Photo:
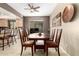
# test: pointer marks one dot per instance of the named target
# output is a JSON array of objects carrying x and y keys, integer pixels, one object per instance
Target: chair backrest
[
  {"x": 6, "y": 33},
  {"x": 11, "y": 31},
  {"x": 58, "y": 36},
  {"x": 23, "y": 35},
  {"x": 25, "y": 32},
  {"x": 53, "y": 34},
  {"x": 15, "y": 32}
]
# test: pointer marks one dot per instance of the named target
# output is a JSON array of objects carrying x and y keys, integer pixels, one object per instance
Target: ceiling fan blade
[
  {"x": 36, "y": 10},
  {"x": 30, "y": 5},
  {"x": 37, "y": 7}
]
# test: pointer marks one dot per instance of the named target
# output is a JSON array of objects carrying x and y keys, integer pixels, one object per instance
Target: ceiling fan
[{"x": 32, "y": 8}]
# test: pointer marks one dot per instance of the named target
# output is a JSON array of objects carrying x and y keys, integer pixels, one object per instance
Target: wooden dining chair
[
  {"x": 25, "y": 43},
  {"x": 4, "y": 37},
  {"x": 15, "y": 34},
  {"x": 25, "y": 34},
  {"x": 52, "y": 35},
  {"x": 12, "y": 35},
  {"x": 55, "y": 43}
]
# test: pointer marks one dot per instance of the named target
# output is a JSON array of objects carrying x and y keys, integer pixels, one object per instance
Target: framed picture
[
  {"x": 57, "y": 20},
  {"x": 68, "y": 13}
]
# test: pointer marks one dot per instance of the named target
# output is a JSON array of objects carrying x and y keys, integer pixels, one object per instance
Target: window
[
  {"x": 36, "y": 26},
  {"x": 12, "y": 24}
]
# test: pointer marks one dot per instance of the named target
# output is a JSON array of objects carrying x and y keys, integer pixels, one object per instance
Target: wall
[
  {"x": 70, "y": 36},
  {"x": 44, "y": 18},
  {"x": 19, "y": 23},
  {"x": 3, "y": 23}
]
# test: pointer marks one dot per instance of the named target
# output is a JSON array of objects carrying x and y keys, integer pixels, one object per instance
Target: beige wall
[
  {"x": 3, "y": 23},
  {"x": 70, "y": 36},
  {"x": 19, "y": 23}
]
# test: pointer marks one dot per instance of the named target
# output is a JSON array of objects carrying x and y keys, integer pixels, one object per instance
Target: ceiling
[
  {"x": 45, "y": 8},
  {"x": 6, "y": 14}
]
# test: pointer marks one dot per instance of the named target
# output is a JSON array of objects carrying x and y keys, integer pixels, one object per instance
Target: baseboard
[{"x": 64, "y": 51}]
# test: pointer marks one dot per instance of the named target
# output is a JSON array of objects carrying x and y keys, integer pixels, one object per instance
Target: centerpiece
[{"x": 39, "y": 33}]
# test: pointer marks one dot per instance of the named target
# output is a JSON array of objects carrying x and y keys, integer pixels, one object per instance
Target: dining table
[{"x": 38, "y": 36}]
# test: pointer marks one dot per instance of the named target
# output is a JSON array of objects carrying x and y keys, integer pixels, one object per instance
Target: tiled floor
[{"x": 14, "y": 50}]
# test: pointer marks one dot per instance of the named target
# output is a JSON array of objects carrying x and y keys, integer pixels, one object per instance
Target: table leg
[
  {"x": 34, "y": 46},
  {"x": 44, "y": 45},
  {"x": 3, "y": 44}
]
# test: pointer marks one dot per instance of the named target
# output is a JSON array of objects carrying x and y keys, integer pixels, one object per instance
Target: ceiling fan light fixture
[{"x": 32, "y": 8}]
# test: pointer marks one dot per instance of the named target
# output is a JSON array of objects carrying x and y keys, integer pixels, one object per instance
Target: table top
[{"x": 36, "y": 36}]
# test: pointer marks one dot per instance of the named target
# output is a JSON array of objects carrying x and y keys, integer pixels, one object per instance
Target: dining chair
[
  {"x": 55, "y": 43},
  {"x": 4, "y": 37},
  {"x": 52, "y": 35},
  {"x": 15, "y": 31},
  {"x": 24, "y": 42},
  {"x": 12, "y": 35},
  {"x": 25, "y": 34}
]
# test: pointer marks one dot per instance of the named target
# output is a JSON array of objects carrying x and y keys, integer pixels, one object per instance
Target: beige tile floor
[{"x": 14, "y": 50}]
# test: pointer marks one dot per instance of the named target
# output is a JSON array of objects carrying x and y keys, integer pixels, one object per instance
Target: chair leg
[
  {"x": 15, "y": 39},
  {"x": 21, "y": 51},
  {"x": 8, "y": 42},
  {"x": 32, "y": 50},
  {"x": 34, "y": 45},
  {"x": 3, "y": 44},
  {"x": 25, "y": 48},
  {"x": 12, "y": 41},
  {"x": 58, "y": 51},
  {"x": 46, "y": 51}
]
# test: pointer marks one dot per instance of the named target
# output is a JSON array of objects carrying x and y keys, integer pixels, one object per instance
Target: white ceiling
[
  {"x": 45, "y": 8},
  {"x": 6, "y": 14}
]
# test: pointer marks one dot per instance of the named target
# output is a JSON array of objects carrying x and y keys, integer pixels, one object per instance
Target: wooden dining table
[{"x": 37, "y": 36}]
